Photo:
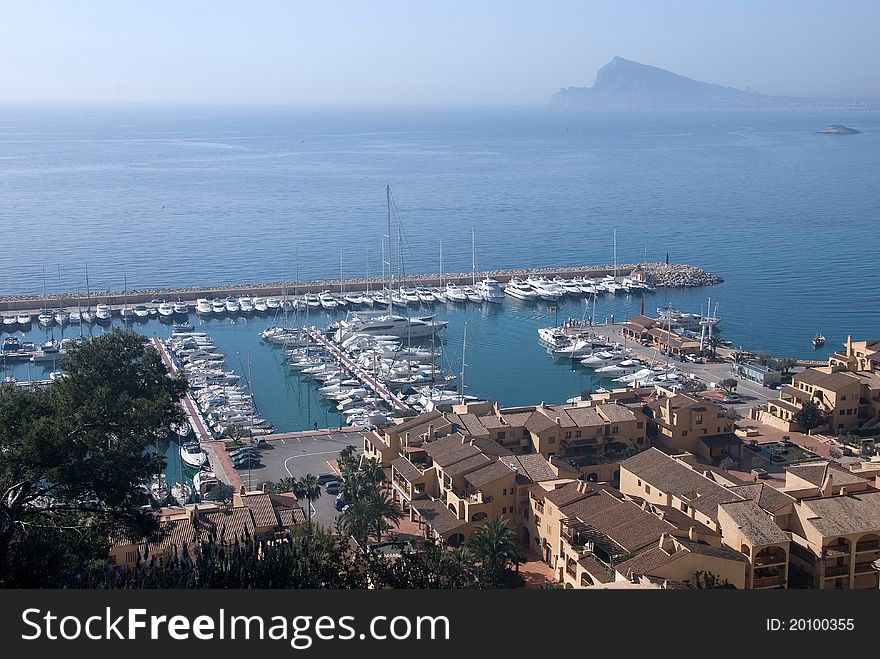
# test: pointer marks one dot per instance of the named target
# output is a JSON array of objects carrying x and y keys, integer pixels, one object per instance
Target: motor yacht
[
  {"x": 61, "y": 316},
  {"x": 425, "y": 296},
  {"x": 141, "y": 311},
  {"x": 193, "y": 455},
  {"x": 455, "y": 294},
  {"x": 327, "y": 301},
  {"x": 521, "y": 290},
  {"x": 273, "y": 303},
  {"x": 490, "y": 290},
  {"x": 46, "y": 317},
  {"x": 103, "y": 313},
  {"x": 218, "y": 306},
  {"x": 232, "y": 304},
  {"x": 203, "y": 306},
  {"x": 260, "y": 305},
  {"x": 313, "y": 301},
  {"x": 546, "y": 289},
  {"x": 245, "y": 304},
  {"x": 24, "y": 320}
]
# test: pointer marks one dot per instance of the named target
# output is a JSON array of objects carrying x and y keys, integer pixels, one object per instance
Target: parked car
[
  {"x": 246, "y": 462},
  {"x": 332, "y": 487},
  {"x": 340, "y": 502},
  {"x": 323, "y": 479},
  {"x": 241, "y": 452}
]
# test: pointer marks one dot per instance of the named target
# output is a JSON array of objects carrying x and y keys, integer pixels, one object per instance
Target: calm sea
[{"x": 184, "y": 196}]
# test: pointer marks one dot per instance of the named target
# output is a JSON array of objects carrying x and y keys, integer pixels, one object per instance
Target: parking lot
[{"x": 308, "y": 454}]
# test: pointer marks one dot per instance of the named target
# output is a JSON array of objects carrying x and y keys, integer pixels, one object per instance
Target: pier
[
  {"x": 193, "y": 416},
  {"x": 363, "y": 377},
  {"x": 671, "y": 275}
]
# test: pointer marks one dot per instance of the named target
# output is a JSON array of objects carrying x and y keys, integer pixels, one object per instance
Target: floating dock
[
  {"x": 192, "y": 412},
  {"x": 371, "y": 383}
]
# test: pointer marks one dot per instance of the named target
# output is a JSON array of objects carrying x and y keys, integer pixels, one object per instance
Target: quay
[
  {"x": 397, "y": 405},
  {"x": 671, "y": 275}
]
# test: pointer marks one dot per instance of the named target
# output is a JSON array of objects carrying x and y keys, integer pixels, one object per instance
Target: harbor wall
[{"x": 661, "y": 274}]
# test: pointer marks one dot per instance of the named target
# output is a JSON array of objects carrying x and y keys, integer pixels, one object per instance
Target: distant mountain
[{"x": 626, "y": 85}]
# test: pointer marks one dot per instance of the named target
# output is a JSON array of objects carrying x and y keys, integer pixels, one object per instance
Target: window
[
  {"x": 614, "y": 430},
  {"x": 504, "y": 492},
  {"x": 684, "y": 433},
  {"x": 699, "y": 419},
  {"x": 647, "y": 489},
  {"x": 502, "y": 434},
  {"x": 577, "y": 433},
  {"x": 639, "y": 424},
  {"x": 525, "y": 432},
  {"x": 843, "y": 397},
  {"x": 552, "y": 440},
  {"x": 640, "y": 481},
  {"x": 640, "y": 440},
  {"x": 684, "y": 507},
  {"x": 568, "y": 434}
]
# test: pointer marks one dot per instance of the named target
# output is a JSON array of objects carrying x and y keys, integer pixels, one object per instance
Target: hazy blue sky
[{"x": 486, "y": 51}]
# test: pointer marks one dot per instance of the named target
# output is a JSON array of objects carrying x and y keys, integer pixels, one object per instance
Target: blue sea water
[{"x": 185, "y": 196}]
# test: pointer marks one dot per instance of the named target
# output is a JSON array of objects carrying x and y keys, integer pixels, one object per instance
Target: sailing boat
[
  {"x": 87, "y": 315},
  {"x": 126, "y": 312},
  {"x": 818, "y": 340},
  {"x": 440, "y": 292},
  {"x": 61, "y": 316},
  {"x": 470, "y": 291}
]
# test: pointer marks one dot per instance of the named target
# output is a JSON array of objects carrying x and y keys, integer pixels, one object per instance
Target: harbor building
[
  {"x": 754, "y": 372},
  {"x": 846, "y": 394}
]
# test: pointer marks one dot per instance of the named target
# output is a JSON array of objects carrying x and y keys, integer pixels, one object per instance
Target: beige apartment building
[
  {"x": 847, "y": 391},
  {"x": 701, "y": 427}
]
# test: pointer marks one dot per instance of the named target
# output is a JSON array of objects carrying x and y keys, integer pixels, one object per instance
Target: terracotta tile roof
[
  {"x": 226, "y": 527},
  {"x": 568, "y": 493},
  {"x": 843, "y": 515},
  {"x": 436, "y": 515},
  {"x": 708, "y": 550},
  {"x": 292, "y": 516},
  {"x": 516, "y": 419},
  {"x": 616, "y": 413},
  {"x": 261, "y": 507},
  {"x": 585, "y": 417},
  {"x": 599, "y": 571},
  {"x": 406, "y": 469},
  {"x": 627, "y": 524},
  {"x": 473, "y": 425},
  {"x": 491, "y": 421},
  {"x": 415, "y": 422},
  {"x": 648, "y": 562},
  {"x": 768, "y": 498},
  {"x": 831, "y": 381},
  {"x": 755, "y": 524},
  {"x": 468, "y": 465},
  {"x": 681, "y": 521},
  {"x": 673, "y": 477},
  {"x": 539, "y": 422},
  {"x": 488, "y": 474},
  {"x": 491, "y": 447},
  {"x": 452, "y": 448},
  {"x": 533, "y": 465},
  {"x": 816, "y": 472}
]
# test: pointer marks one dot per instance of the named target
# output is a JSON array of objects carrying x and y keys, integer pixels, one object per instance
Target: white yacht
[
  {"x": 23, "y": 320},
  {"x": 546, "y": 289},
  {"x": 181, "y": 493},
  {"x": 193, "y": 455},
  {"x": 455, "y": 294},
  {"x": 61, "y": 316},
  {"x": 472, "y": 295},
  {"x": 601, "y": 358},
  {"x": 638, "y": 376},
  {"x": 203, "y": 306},
  {"x": 204, "y": 481},
  {"x": 245, "y": 304},
  {"x": 490, "y": 290},
  {"x": 354, "y": 299},
  {"x": 260, "y": 305},
  {"x": 425, "y": 296},
  {"x": 625, "y": 367},
  {"x": 439, "y": 295},
  {"x": 313, "y": 301},
  {"x": 409, "y": 296},
  {"x": 273, "y": 303},
  {"x": 218, "y": 306},
  {"x": 372, "y": 322},
  {"x": 568, "y": 286},
  {"x": 88, "y": 316},
  {"x": 581, "y": 348},
  {"x": 327, "y": 301},
  {"x": 521, "y": 290},
  {"x": 232, "y": 304},
  {"x": 103, "y": 313},
  {"x": 141, "y": 311},
  {"x": 180, "y": 308},
  {"x": 10, "y": 323},
  {"x": 46, "y": 317}
]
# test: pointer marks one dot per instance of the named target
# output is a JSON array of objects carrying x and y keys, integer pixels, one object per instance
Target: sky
[{"x": 397, "y": 51}]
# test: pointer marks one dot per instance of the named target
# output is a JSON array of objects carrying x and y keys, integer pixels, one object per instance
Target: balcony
[
  {"x": 865, "y": 568},
  {"x": 766, "y": 561},
  {"x": 768, "y": 582},
  {"x": 863, "y": 547},
  {"x": 836, "y": 571}
]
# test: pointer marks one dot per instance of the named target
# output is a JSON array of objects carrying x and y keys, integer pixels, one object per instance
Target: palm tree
[
  {"x": 372, "y": 473},
  {"x": 355, "y": 521},
  {"x": 309, "y": 488},
  {"x": 383, "y": 513},
  {"x": 494, "y": 545},
  {"x": 348, "y": 461}
]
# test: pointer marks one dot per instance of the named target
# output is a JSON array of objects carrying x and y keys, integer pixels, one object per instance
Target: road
[
  {"x": 751, "y": 393},
  {"x": 309, "y": 454}
]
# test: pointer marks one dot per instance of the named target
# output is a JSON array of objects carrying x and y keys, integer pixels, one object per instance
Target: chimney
[
  {"x": 666, "y": 543},
  {"x": 843, "y": 491},
  {"x": 849, "y": 348},
  {"x": 430, "y": 432},
  {"x": 406, "y": 438},
  {"x": 642, "y": 308},
  {"x": 265, "y": 487},
  {"x": 557, "y": 421},
  {"x": 194, "y": 514},
  {"x": 692, "y": 534}
]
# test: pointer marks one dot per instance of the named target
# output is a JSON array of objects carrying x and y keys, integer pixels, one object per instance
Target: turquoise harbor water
[{"x": 177, "y": 197}]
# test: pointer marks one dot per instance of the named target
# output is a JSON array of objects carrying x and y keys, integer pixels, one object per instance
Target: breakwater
[{"x": 662, "y": 275}]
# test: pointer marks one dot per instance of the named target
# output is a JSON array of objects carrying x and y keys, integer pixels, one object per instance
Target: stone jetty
[{"x": 672, "y": 275}]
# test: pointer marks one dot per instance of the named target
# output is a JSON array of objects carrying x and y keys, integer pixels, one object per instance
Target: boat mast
[
  {"x": 390, "y": 255},
  {"x": 615, "y": 252},
  {"x": 473, "y": 256},
  {"x": 88, "y": 292},
  {"x": 441, "y": 266},
  {"x": 341, "y": 280},
  {"x": 461, "y": 375}
]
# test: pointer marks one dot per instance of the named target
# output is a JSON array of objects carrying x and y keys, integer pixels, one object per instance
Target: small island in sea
[{"x": 837, "y": 129}]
